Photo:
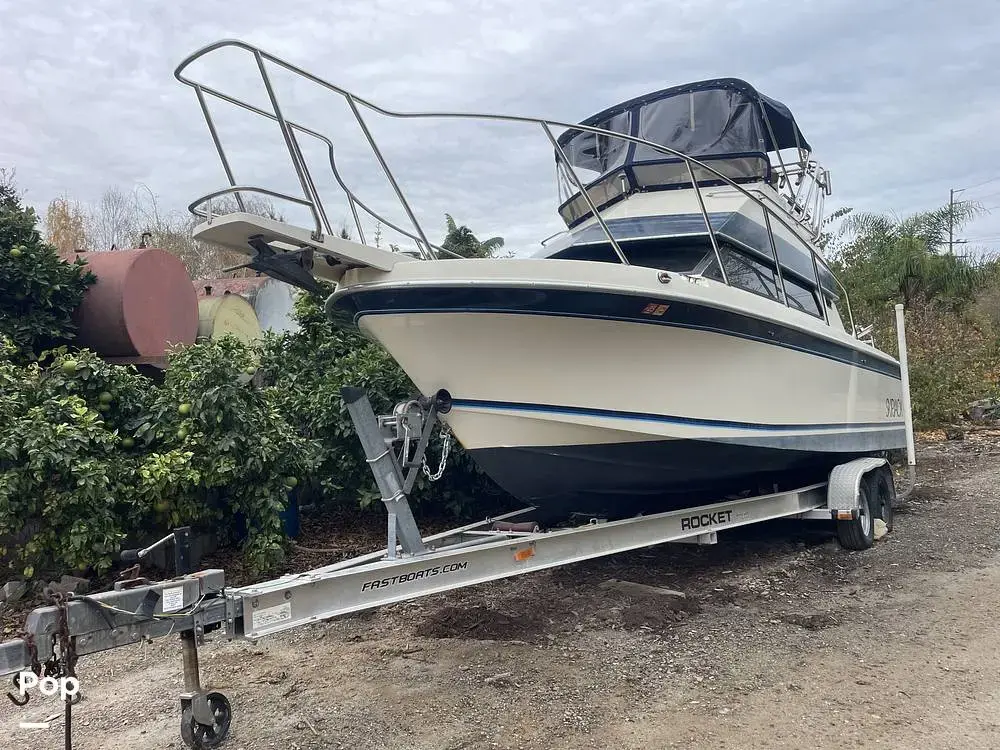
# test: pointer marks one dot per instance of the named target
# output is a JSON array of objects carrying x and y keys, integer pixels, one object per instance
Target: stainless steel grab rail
[{"x": 424, "y": 246}]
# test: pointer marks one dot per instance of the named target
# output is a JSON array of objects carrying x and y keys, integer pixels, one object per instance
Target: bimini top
[{"x": 713, "y": 118}]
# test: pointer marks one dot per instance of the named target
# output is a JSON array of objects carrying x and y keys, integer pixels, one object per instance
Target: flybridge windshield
[{"x": 715, "y": 118}]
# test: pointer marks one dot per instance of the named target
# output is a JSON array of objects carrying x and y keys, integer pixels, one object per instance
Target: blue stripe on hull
[{"x": 666, "y": 418}]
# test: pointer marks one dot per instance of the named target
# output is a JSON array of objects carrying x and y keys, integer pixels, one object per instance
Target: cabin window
[
  {"x": 802, "y": 298},
  {"x": 744, "y": 272},
  {"x": 664, "y": 255},
  {"x": 833, "y": 312},
  {"x": 598, "y": 253}
]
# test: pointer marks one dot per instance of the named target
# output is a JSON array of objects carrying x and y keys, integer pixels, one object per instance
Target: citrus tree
[
  {"x": 94, "y": 454},
  {"x": 221, "y": 451},
  {"x": 38, "y": 290},
  {"x": 306, "y": 370}
]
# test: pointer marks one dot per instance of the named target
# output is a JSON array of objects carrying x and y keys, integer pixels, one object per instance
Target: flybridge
[{"x": 725, "y": 122}]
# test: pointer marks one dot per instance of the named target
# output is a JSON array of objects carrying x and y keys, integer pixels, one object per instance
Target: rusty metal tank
[{"x": 142, "y": 305}]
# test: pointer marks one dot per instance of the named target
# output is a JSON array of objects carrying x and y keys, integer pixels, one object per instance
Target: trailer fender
[{"x": 845, "y": 483}]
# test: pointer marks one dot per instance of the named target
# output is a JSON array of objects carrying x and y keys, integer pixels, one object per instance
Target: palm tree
[
  {"x": 462, "y": 241},
  {"x": 882, "y": 258}
]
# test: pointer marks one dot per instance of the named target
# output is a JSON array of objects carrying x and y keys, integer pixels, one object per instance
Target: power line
[
  {"x": 967, "y": 240},
  {"x": 980, "y": 184},
  {"x": 988, "y": 195}
]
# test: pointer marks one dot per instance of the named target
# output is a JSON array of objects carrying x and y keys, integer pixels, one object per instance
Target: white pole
[{"x": 904, "y": 371}]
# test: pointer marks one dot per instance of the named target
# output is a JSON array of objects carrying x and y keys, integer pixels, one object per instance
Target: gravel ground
[{"x": 784, "y": 640}]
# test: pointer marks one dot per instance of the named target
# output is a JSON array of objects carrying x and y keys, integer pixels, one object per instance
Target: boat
[{"x": 682, "y": 339}]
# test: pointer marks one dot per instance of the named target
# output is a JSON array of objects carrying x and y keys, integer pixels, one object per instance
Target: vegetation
[
  {"x": 953, "y": 337},
  {"x": 461, "y": 241},
  {"x": 883, "y": 260},
  {"x": 95, "y": 455},
  {"x": 39, "y": 293}
]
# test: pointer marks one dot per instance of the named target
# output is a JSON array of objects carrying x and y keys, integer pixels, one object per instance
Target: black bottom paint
[{"x": 622, "y": 479}]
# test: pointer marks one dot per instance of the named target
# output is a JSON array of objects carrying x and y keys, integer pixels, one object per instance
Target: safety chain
[
  {"x": 67, "y": 644},
  {"x": 66, "y": 662},
  {"x": 61, "y": 662},
  {"x": 445, "y": 448},
  {"x": 36, "y": 667}
]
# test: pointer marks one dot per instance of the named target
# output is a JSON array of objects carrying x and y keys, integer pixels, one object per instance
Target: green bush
[
  {"x": 953, "y": 361},
  {"x": 226, "y": 440},
  {"x": 307, "y": 369},
  {"x": 94, "y": 454},
  {"x": 39, "y": 291},
  {"x": 60, "y": 471}
]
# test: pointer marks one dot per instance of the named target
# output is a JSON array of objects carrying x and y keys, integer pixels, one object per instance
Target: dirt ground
[{"x": 785, "y": 641}]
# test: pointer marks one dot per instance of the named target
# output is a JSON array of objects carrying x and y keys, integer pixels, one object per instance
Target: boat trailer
[{"x": 192, "y": 604}]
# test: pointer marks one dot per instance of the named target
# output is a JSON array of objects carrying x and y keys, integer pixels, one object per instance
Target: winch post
[
  {"x": 402, "y": 526},
  {"x": 182, "y": 550}
]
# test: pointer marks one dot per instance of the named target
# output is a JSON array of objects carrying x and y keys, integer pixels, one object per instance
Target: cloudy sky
[{"x": 899, "y": 98}]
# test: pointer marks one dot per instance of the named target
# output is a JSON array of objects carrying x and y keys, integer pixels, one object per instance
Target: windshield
[{"x": 681, "y": 255}]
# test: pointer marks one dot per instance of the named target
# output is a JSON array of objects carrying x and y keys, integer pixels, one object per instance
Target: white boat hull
[{"x": 562, "y": 406}]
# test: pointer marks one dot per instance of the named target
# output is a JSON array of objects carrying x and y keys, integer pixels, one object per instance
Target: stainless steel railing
[{"x": 290, "y": 131}]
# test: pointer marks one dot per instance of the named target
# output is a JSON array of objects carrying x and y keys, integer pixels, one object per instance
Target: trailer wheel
[
  {"x": 883, "y": 493},
  {"x": 859, "y": 533}
]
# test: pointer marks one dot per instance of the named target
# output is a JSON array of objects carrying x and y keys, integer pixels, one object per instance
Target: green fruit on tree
[
  {"x": 105, "y": 397},
  {"x": 70, "y": 366},
  {"x": 184, "y": 409},
  {"x": 162, "y": 506},
  {"x": 291, "y": 482},
  {"x": 128, "y": 443},
  {"x": 15, "y": 252},
  {"x": 182, "y": 434},
  {"x": 250, "y": 371},
  {"x": 104, "y": 407}
]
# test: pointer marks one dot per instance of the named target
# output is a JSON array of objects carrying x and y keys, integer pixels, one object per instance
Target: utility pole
[
  {"x": 951, "y": 221},
  {"x": 951, "y": 218}
]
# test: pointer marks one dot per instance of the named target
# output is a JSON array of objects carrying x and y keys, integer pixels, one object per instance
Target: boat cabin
[
  {"x": 752, "y": 141},
  {"x": 724, "y": 123}
]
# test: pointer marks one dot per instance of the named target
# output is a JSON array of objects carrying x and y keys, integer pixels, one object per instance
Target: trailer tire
[
  {"x": 883, "y": 494},
  {"x": 859, "y": 533}
]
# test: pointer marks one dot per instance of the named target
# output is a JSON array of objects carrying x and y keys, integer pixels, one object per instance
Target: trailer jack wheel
[
  {"x": 205, "y": 720},
  {"x": 859, "y": 533}
]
